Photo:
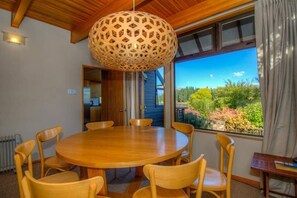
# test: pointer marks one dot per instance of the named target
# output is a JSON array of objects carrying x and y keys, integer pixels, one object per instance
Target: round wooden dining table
[{"x": 121, "y": 147}]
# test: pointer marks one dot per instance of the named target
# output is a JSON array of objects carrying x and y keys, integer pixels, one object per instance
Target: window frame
[
  {"x": 217, "y": 50},
  {"x": 217, "y": 40}
]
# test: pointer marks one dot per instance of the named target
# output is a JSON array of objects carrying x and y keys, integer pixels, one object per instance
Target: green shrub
[
  {"x": 253, "y": 112},
  {"x": 197, "y": 122}
]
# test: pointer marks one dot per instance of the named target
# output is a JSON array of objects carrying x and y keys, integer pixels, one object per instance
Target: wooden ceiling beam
[
  {"x": 81, "y": 31},
  {"x": 203, "y": 10},
  {"x": 18, "y": 14}
]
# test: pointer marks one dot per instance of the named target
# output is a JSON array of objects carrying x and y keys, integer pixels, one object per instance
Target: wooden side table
[{"x": 265, "y": 164}]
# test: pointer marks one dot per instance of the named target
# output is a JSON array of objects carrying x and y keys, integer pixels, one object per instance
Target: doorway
[
  {"x": 151, "y": 97},
  {"x": 92, "y": 78},
  {"x": 103, "y": 96}
]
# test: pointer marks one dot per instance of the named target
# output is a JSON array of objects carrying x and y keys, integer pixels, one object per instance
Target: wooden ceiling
[{"x": 78, "y": 16}]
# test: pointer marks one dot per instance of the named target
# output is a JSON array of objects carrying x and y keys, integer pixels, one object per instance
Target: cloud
[
  {"x": 211, "y": 75},
  {"x": 238, "y": 74}
]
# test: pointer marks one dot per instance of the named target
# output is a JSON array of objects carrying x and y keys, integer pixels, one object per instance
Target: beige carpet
[{"x": 9, "y": 186}]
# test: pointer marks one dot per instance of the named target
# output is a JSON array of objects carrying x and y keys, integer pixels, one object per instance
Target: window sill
[{"x": 237, "y": 135}]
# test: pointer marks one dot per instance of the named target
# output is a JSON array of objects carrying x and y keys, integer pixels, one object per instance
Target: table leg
[
  {"x": 295, "y": 188},
  {"x": 92, "y": 172},
  {"x": 139, "y": 171},
  {"x": 266, "y": 184}
]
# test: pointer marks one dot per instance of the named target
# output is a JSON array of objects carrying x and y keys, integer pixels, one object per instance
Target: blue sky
[{"x": 213, "y": 71}]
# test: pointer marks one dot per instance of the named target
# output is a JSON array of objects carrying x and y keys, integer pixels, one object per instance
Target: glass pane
[
  {"x": 220, "y": 93},
  {"x": 238, "y": 31},
  {"x": 248, "y": 29},
  {"x": 196, "y": 42},
  {"x": 205, "y": 38},
  {"x": 230, "y": 34},
  {"x": 188, "y": 45}
]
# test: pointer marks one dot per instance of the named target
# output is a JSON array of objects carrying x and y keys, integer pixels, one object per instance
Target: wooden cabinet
[{"x": 95, "y": 113}]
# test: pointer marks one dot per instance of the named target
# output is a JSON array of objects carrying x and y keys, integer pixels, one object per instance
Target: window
[
  {"x": 196, "y": 42},
  {"x": 160, "y": 86},
  {"x": 216, "y": 80},
  {"x": 237, "y": 31}
]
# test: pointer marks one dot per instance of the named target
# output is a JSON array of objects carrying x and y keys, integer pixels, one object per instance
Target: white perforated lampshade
[{"x": 132, "y": 41}]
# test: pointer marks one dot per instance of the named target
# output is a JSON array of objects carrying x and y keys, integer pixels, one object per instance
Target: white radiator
[{"x": 7, "y": 145}]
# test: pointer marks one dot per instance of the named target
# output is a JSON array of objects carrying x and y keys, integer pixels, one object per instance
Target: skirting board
[{"x": 250, "y": 182}]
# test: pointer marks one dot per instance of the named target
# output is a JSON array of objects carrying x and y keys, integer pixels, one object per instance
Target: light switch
[{"x": 71, "y": 91}]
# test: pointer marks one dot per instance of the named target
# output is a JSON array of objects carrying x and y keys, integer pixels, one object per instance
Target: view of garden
[{"x": 233, "y": 107}]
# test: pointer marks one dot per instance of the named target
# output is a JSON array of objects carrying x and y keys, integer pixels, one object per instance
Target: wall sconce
[{"x": 14, "y": 38}]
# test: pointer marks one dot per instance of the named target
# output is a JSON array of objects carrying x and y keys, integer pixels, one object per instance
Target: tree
[
  {"x": 183, "y": 95},
  {"x": 201, "y": 101},
  {"x": 235, "y": 95}
]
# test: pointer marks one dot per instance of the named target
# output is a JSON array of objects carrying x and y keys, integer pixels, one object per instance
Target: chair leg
[
  {"x": 115, "y": 173},
  {"x": 41, "y": 170},
  {"x": 188, "y": 191},
  {"x": 83, "y": 173}
]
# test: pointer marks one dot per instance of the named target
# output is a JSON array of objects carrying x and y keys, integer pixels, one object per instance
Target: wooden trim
[
  {"x": 250, "y": 182},
  {"x": 172, "y": 92},
  {"x": 19, "y": 14},
  {"x": 82, "y": 97},
  {"x": 6, "y": 6},
  {"x": 81, "y": 31},
  {"x": 211, "y": 19},
  {"x": 236, "y": 135},
  {"x": 164, "y": 97},
  {"x": 218, "y": 49}
]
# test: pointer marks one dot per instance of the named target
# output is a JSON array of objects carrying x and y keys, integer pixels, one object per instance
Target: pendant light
[{"x": 132, "y": 41}]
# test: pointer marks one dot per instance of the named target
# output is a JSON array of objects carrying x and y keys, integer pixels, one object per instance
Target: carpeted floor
[{"x": 9, "y": 186}]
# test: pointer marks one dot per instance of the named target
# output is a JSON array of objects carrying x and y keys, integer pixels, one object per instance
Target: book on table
[{"x": 286, "y": 166}]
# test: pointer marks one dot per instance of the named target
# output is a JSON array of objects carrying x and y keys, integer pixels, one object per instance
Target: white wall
[
  {"x": 34, "y": 80},
  {"x": 245, "y": 147}
]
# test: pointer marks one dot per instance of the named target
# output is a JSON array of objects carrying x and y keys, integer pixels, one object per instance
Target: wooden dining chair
[
  {"x": 92, "y": 126},
  {"x": 169, "y": 181},
  {"x": 79, "y": 189},
  {"x": 215, "y": 181},
  {"x": 141, "y": 122},
  {"x": 188, "y": 130},
  {"x": 52, "y": 162},
  {"x": 23, "y": 153}
]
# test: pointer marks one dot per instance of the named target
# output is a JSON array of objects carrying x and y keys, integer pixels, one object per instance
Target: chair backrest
[
  {"x": 141, "y": 122},
  {"x": 188, "y": 130},
  {"x": 22, "y": 154},
  {"x": 226, "y": 146},
  {"x": 91, "y": 126},
  {"x": 80, "y": 189},
  {"x": 46, "y": 135},
  {"x": 176, "y": 177}
]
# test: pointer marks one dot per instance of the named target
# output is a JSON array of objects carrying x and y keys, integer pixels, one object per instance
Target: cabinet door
[
  {"x": 112, "y": 107},
  {"x": 95, "y": 114}
]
